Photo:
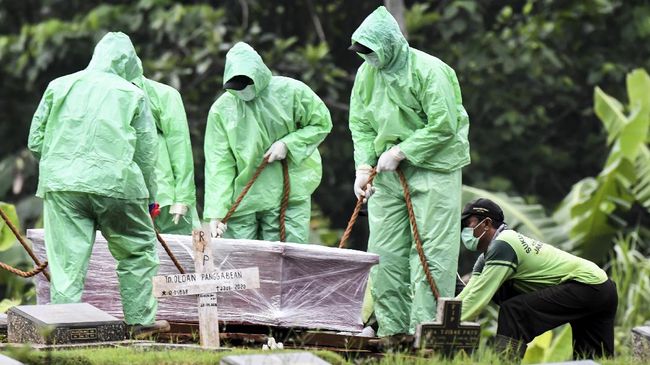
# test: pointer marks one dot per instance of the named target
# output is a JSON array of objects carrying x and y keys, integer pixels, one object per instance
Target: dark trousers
[{"x": 590, "y": 309}]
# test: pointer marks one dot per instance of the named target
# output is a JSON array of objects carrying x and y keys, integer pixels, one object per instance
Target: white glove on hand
[
  {"x": 217, "y": 228},
  {"x": 361, "y": 186},
  {"x": 278, "y": 151},
  {"x": 178, "y": 210},
  {"x": 389, "y": 160}
]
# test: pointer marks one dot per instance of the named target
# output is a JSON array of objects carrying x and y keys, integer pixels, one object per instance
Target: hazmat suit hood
[
  {"x": 243, "y": 60},
  {"x": 380, "y": 32},
  {"x": 115, "y": 54}
]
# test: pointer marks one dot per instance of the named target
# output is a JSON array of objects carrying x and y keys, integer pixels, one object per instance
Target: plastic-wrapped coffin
[{"x": 307, "y": 286}]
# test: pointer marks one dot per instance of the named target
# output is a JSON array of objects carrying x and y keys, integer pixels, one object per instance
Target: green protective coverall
[
  {"x": 412, "y": 100},
  {"x": 97, "y": 145},
  {"x": 240, "y": 132},
  {"x": 175, "y": 167}
]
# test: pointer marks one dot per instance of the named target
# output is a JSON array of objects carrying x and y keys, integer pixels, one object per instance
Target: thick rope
[
  {"x": 355, "y": 213},
  {"x": 414, "y": 228},
  {"x": 285, "y": 196},
  {"x": 22, "y": 241},
  {"x": 416, "y": 235},
  {"x": 170, "y": 253},
  {"x": 284, "y": 204},
  {"x": 24, "y": 274}
]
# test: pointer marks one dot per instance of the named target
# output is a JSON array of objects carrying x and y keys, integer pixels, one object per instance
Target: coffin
[{"x": 307, "y": 286}]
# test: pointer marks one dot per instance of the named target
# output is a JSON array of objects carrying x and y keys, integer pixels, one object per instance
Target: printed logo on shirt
[{"x": 536, "y": 245}]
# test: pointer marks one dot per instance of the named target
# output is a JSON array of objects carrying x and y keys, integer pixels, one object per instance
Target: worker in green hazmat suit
[
  {"x": 97, "y": 145},
  {"x": 406, "y": 112},
  {"x": 176, "y": 193},
  {"x": 261, "y": 116}
]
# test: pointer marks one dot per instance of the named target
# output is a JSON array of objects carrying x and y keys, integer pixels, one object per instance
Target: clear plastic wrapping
[{"x": 306, "y": 286}]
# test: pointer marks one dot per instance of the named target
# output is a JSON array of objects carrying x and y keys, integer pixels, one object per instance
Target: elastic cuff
[{"x": 363, "y": 169}]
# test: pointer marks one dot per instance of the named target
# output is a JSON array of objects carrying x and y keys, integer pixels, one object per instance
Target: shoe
[{"x": 140, "y": 331}]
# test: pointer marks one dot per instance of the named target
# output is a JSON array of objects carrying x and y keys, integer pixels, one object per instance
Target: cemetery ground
[{"x": 125, "y": 355}]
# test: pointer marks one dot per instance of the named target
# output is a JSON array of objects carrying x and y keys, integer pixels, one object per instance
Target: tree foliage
[{"x": 526, "y": 67}]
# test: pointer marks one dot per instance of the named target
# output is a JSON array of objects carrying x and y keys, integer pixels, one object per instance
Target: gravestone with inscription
[
  {"x": 62, "y": 324},
  {"x": 448, "y": 335}
]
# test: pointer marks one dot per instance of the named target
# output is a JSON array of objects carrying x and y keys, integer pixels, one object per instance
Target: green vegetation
[
  {"x": 558, "y": 99},
  {"x": 115, "y": 356}
]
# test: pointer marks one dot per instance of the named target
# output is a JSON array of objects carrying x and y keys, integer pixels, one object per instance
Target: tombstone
[
  {"x": 205, "y": 283},
  {"x": 62, "y": 324},
  {"x": 292, "y": 358},
  {"x": 641, "y": 343},
  {"x": 448, "y": 335}
]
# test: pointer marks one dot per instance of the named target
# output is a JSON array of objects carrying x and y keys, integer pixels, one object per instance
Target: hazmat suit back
[
  {"x": 100, "y": 137},
  {"x": 97, "y": 145}
]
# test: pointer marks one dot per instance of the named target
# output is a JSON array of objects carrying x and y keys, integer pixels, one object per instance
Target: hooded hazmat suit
[
  {"x": 96, "y": 141},
  {"x": 175, "y": 165},
  {"x": 240, "y": 132},
  {"x": 411, "y": 100}
]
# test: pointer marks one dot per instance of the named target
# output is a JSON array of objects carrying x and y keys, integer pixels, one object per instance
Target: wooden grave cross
[
  {"x": 206, "y": 282},
  {"x": 447, "y": 334}
]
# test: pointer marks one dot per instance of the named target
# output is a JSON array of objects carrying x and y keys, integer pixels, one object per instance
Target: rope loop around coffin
[
  {"x": 24, "y": 274},
  {"x": 39, "y": 266},
  {"x": 414, "y": 228}
]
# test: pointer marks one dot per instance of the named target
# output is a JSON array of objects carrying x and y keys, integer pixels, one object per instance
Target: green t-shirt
[{"x": 530, "y": 264}]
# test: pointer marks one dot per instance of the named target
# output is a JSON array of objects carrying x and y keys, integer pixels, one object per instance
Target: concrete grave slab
[
  {"x": 292, "y": 358},
  {"x": 62, "y": 324},
  {"x": 6, "y": 360},
  {"x": 641, "y": 343}
]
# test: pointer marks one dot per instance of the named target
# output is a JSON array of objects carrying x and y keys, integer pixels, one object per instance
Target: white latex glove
[
  {"x": 389, "y": 160},
  {"x": 278, "y": 151},
  {"x": 217, "y": 228},
  {"x": 178, "y": 210},
  {"x": 361, "y": 186}
]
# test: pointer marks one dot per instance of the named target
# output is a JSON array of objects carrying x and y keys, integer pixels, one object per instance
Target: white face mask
[
  {"x": 371, "y": 58},
  {"x": 246, "y": 94}
]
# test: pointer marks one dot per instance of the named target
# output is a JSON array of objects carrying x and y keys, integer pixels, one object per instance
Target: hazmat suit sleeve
[
  {"x": 426, "y": 143},
  {"x": 146, "y": 148},
  {"x": 363, "y": 135},
  {"x": 176, "y": 135},
  {"x": 314, "y": 122},
  {"x": 483, "y": 287},
  {"x": 220, "y": 169},
  {"x": 37, "y": 129}
]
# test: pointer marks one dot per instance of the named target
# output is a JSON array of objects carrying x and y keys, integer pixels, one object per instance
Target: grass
[
  {"x": 114, "y": 356},
  {"x": 125, "y": 355}
]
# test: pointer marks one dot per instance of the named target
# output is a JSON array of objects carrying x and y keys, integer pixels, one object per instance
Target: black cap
[
  {"x": 238, "y": 82},
  {"x": 483, "y": 208},
  {"x": 358, "y": 47}
]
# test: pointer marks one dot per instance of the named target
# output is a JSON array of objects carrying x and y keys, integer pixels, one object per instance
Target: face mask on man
[
  {"x": 371, "y": 58},
  {"x": 467, "y": 236},
  {"x": 246, "y": 94}
]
